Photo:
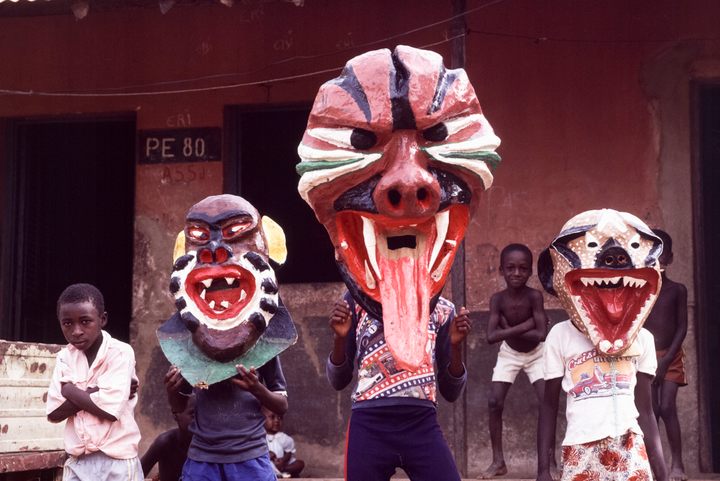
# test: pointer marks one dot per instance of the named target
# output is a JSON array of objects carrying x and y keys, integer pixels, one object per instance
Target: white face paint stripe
[
  {"x": 485, "y": 143},
  {"x": 338, "y": 137},
  {"x": 455, "y": 125},
  {"x": 309, "y": 154},
  {"x": 310, "y": 180},
  {"x": 476, "y": 167}
]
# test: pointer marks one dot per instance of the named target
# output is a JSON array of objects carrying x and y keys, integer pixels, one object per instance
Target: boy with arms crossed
[
  {"x": 517, "y": 318},
  {"x": 92, "y": 388}
]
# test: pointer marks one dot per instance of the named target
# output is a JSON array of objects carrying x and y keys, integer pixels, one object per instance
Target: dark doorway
[
  {"x": 708, "y": 260},
  {"x": 69, "y": 219},
  {"x": 261, "y": 153}
]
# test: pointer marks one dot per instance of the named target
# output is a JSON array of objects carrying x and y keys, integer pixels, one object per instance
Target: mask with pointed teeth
[
  {"x": 224, "y": 287},
  {"x": 604, "y": 268},
  {"x": 394, "y": 157}
]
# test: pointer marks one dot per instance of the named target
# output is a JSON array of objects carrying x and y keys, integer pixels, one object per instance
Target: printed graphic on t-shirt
[
  {"x": 594, "y": 375},
  {"x": 378, "y": 375}
]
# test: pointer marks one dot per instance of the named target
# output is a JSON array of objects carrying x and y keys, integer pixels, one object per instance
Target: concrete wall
[{"x": 590, "y": 98}]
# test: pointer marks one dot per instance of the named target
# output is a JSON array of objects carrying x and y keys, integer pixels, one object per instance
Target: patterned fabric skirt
[{"x": 622, "y": 458}]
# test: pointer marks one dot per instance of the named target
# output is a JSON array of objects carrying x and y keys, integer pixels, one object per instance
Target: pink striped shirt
[{"x": 111, "y": 372}]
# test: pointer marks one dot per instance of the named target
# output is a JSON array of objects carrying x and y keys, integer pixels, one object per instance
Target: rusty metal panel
[
  {"x": 25, "y": 372},
  {"x": 14, "y": 462}
]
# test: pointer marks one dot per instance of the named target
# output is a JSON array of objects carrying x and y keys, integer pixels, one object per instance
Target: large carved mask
[
  {"x": 395, "y": 155},
  {"x": 224, "y": 287},
  {"x": 604, "y": 268}
]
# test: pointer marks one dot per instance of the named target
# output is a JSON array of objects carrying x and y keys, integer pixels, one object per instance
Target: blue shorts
[
  {"x": 260, "y": 469},
  {"x": 382, "y": 439}
]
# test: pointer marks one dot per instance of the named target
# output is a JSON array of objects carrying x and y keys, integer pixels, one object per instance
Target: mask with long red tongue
[
  {"x": 405, "y": 299},
  {"x": 395, "y": 155},
  {"x": 604, "y": 268}
]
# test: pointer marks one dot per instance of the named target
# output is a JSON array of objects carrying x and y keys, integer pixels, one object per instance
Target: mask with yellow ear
[{"x": 225, "y": 289}]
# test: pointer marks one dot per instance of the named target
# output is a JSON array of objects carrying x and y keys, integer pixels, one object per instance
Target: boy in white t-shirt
[
  {"x": 603, "y": 267},
  {"x": 603, "y": 432},
  {"x": 281, "y": 447}
]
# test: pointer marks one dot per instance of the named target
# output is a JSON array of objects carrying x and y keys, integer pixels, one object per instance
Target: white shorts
[
  {"x": 510, "y": 362},
  {"x": 99, "y": 466}
]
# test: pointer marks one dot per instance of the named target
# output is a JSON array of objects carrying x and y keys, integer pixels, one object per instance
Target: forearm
[
  {"x": 546, "y": 437},
  {"x": 339, "y": 352},
  {"x": 547, "y": 421},
  {"x": 82, "y": 400},
  {"x": 456, "y": 366},
  {"x": 501, "y": 334},
  {"x": 178, "y": 401},
  {"x": 675, "y": 345},
  {"x": 274, "y": 401},
  {"x": 64, "y": 411},
  {"x": 533, "y": 335},
  {"x": 653, "y": 445}
]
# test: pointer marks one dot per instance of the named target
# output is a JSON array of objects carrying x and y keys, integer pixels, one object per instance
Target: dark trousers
[{"x": 384, "y": 438}]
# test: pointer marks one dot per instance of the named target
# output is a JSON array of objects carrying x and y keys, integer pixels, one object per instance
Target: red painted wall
[{"x": 563, "y": 82}]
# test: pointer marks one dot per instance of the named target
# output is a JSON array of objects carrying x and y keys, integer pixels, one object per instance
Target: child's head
[
  {"x": 666, "y": 257},
  {"x": 516, "y": 264},
  {"x": 81, "y": 312},
  {"x": 273, "y": 421},
  {"x": 185, "y": 417}
]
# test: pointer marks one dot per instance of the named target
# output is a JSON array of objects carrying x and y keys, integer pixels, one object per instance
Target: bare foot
[
  {"x": 555, "y": 473},
  {"x": 495, "y": 469},
  {"x": 677, "y": 474}
]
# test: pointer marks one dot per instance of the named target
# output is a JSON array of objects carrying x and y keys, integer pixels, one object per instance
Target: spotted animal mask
[
  {"x": 394, "y": 157},
  {"x": 604, "y": 268},
  {"x": 225, "y": 290}
]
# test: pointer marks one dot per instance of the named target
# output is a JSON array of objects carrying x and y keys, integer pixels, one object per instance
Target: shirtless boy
[
  {"x": 517, "y": 318},
  {"x": 668, "y": 324}
]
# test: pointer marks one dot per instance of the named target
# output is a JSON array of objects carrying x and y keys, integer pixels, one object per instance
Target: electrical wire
[
  {"x": 544, "y": 38},
  {"x": 102, "y": 92},
  {"x": 193, "y": 90}
]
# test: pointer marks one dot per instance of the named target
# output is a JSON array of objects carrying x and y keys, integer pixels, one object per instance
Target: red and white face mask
[
  {"x": 604, "y": 268},
  {"x": 224, "y": 287},
  {"x": 395, "y": 155}
]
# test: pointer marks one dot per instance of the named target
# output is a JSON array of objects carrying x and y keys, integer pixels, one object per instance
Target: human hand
[
  {"x": 246, "y": 379},
  {"x": 502, "y": 322},
  {"x": 460, "y": 327},
  {"x": 134, "y": 384},
  {"x": 92, "y": 389},
  {"x": 661, "y": 371},
  {"x": 173, "y": 383},
  {"x": 173, "y": 380},
  {"x": 340, "y": 319}
]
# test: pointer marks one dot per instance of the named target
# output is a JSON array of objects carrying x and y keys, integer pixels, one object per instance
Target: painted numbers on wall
[{"x": 179, "y": 145}]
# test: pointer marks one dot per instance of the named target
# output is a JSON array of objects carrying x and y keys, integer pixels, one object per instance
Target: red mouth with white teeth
[
  {"x": 614, "y": 301},
  {"x": 221, "y": 292},
  {"x": 402, "y": 265},
  {"x": 369, "y": 242}
]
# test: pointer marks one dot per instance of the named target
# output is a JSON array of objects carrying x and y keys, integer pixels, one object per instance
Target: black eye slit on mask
[
  {"x": 362, "y": 139},
  {"x": 400, "y": 241},
  {"x": 436, "y": 133}
]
